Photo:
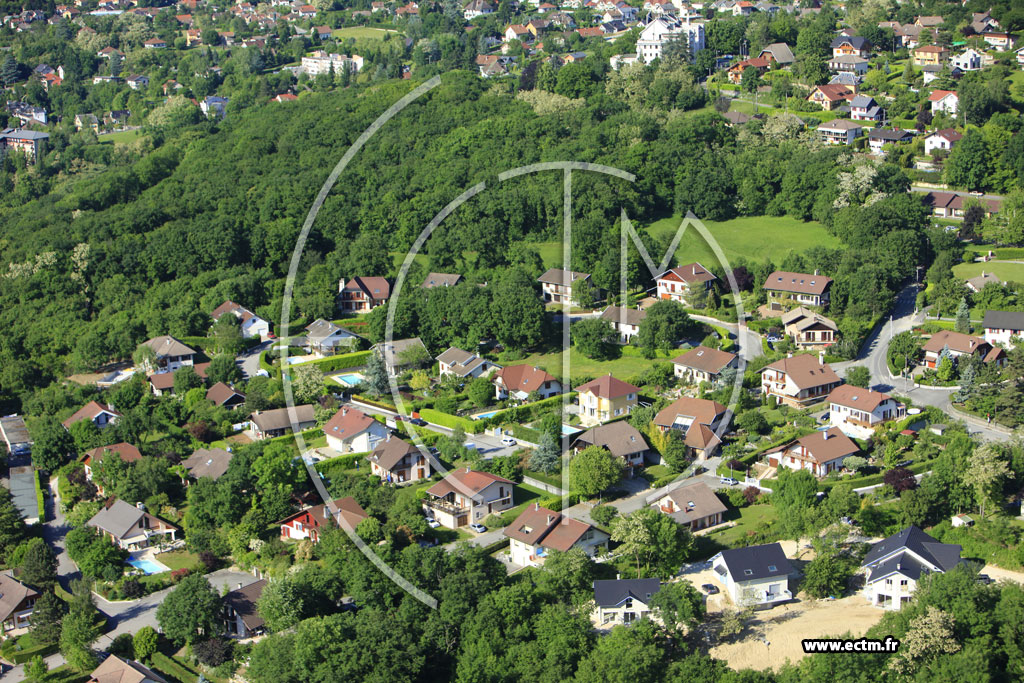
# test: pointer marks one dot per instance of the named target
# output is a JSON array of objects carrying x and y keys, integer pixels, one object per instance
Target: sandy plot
[{"x": 1000, "y": 574}]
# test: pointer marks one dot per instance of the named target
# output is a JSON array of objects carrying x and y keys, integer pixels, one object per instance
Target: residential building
[
  {"x": 895, "y": 565},
  {"x": 840, "y": 132},
  {"x": 137, "y": 82},
  {"x": 476, "y": 8},
  {"x": 538, "y": 530},
  {"x": 558, "y": 285},
  {"x": 117, "y": 670},
  {"x": 311, "y": 522},
  {"x": 266, "y": 424},
  {"x": 625, "y": 321},
  {"x": 223, "y": 396},
  {"x": 864, "y": 108},
  {"x": 858, "y": 412},
  {"x": 441, "y": 280},
  {"x": 759, "y": 64},
  {"x": 698, "y": 419},
  {"x": 969, "y": 60},
  {"x": 161, "y": 383},
  {"x": 848, "y": 80},
  {"x": 605, "y": 398},
  {"x": 125, "y": 451},
  {"x": 619, "y": 438},
  {"x": 211, "y": 463},
  {"x": 396, "y": 461},
  {"x": 15, "y": 435},
  {"x": 808, "y": 329},
  {"x": 83, "y": 121},
  {"x": 693, "y": 505},
  {"x": 663, "y": 29},
  {"x": 960, "y": 344},
  {"x": 352, "y": 431},
  {"x": 519, "y": 381},
  {"x": 828, "y": 97},
  {"x": 778, "y": 53},
  {"x": 27, "y": 113},
  {"x": 951, "y": 205},
  {"x": 979, "y": 282},
  {"x": 736, "y": 118},
  {"x": 622, "y": 601},
  {"x": 850, "y": 45},
  {"x": 944, "y": 101},
  {"x": 784, "y": 287},
  {"x": 1002, "y": 326},
  {"x": 154, "y": 44},
  {"x": 930, "y": 55},
  {"x": 322, "y": 63},
  {"x": 240, "y": 613},
  {"x": 100, "y": 413},
  {"x": 130, "y": 527},
  {"x": 17, "y": 602},
  {"x": 467, "y": 497},
  {"x": 250, "y": 324},
  {"x": 464, "y": 364},
  {"x": 998, "y": 40},
  {"x": 756, "y": 576},
  {"x": 679, "y": 282},
  {"x": 820, "y": 452},
  {"x": 703, "y": 364},
  {"x": 849, "y": 64},
  {"x": 171, "y": 354},
  {"x": 324, "y": 338},
  {"x": 941, "y": 140},
  {"x": 363, "y": 294},
  {"x": 402, "y": 354},
  {"x": 517, "y": 32},
  {"x": 32, "y": 143},
  {"x": 798, "y": 380},
  {"x": 214, "y": 107},
  {"x": 618, "y": 61}
]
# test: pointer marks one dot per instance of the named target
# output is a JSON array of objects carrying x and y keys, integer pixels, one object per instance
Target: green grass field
[
  {"x": 749, "y": 519},
  {"x": 121, "y": 137},
  {"x": 361, "y": 32},
  {"x": 1008, "y": 272},
  {"x": 623, "y": 368}
]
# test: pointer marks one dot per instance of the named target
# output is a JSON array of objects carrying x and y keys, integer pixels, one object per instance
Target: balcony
[{"x": 442, "y": 505}]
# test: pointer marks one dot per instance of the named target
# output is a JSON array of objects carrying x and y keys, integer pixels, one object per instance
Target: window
[
  {"x": 748, "y": 572},
  {"x": 772, "y": 568}
]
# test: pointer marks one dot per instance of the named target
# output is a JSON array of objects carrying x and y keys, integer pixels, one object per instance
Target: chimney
[
  {"x": 140, "y": 506},
  {"x": 327, "y": 513},
  {"x": 618, "y": 576},
  {"x": 467, "y": 469},
  {"x": 817, "y": 272},
  {"x": 536, "y": 506},
  {"x": 821, "y": 358},
  {"x": 239, "y": 585},
  {"x": 825, "y": 435},
  {"x": 551, "y": 518},
  {"x": 344, "y": 411}
]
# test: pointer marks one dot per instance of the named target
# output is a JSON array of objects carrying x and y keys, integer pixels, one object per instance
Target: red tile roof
[{"x": 607, "y": 387}]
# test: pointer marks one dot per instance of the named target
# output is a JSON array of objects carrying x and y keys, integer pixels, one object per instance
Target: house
[
  {"x": 840, "y": 132},
  {"x": 441, "y": 280},
  {"x": 945, "y": 101},
  {"x": 519, "y": 381},
  {"x": 798, "y": 380},
  {"x": 222, "y": 395},
  {"x": 538, "y": 530},
  {"x": 89, "y": 121},
  {"x": 311, "y": 522},
  {"x": 698, "y": 419},
  {"x": 930, "y": 72},
  {"x": 251, "y": 324},
  {"x": 858, "y": 412},
  {"x": 161, "y": 383},
  {"x": 467, "y": 497},
  {"x": 848, "y": 80},
  {"x": 17, "y": 602},
  {"x": 1020, "y": 57},
  {"x": 933, "y": 21},
  {"x": 663, "y": 29},
  {"x": 622, "y": 601},
  {"x": 1002, "y": 326},
  {"x": 850, "y": 45},
  {"x": 517, "y": 32},
  {"x": 171, "y": 354},
  {"x": 703, "y": 364},
  {"x": 324, "y": 338},
  {"x": 878, "y": 138},
  {"x": 693, "y": 505},
  {"x": 951, "y": 205},
  {"x": 819, "y": 452},
  {"x": 941, "y": 140},
  {"x": 266, "y": 424},
  {"x": 1000, "y": 41},
  {"x": 401, "y": 354},
  {"x": 930, "y": 55},
  {"x": 616, "y": 62},
  {"x": 780, "y": 53},
  {"x": 353, "y": 431},
  {"x": 675, "y": 284},
  {"x": 969, "y": 60},
  {"x": 285, "y": 97},
  {"x": 895, "y": 565},
  {"x": 128, "y": 526},
  {"x": 15, "y": 435},
  {"x": 27, "y": 113},
  {"x": 397, "y": 461},
  {"x": 137, "y": 82},
  {"x": 619, "y": 438},
  {"x": 605, "y": 398},
  {"x": 362, "y": 294},
  {"x": 849, "y": 64},
  {"x": 736, "y": 118},
  {"x": 756, "y": 576},
  {"x": 759, "y": 64},
  {"x": 117, "y": 670},
  {"x": 211, "y": 463},
  {"x": 320, "y": 62},
  {"x": 464, "y": 364},
  {"x": 154, "y": 44},
  {"x": 100, "y": 414},
  {"x": 239, "y": 610},
  {"x": 784, "y": 287},
  {"x": 108, "y": 52},
  {"x": 808, "y": 329},
  {"x": 557, "y": 285},
  {"x": 959, "y": 344},
  {"x": 476, "y": 8},
  {"x": 625, "y": 321},
  {"x": 864, "y": 108},
  {"x": 125, "y": 451},
  {"x": 978, "y": 282},
  {"x": 828, "y": 97},
  {"x": 30, "y": 142},
  {"x": 321, "y": 32}
]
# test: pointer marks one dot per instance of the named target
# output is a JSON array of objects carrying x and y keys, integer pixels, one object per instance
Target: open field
[
  {"x": 624, "y": 367},
  {"x": 121, "y": 136},
  {"x": 361, "y": 32},
  {"x": 1004, "y": 270}
]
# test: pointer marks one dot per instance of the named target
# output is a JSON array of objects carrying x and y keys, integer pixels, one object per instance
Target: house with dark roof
[
  {"x": 625, "y": 321},
  {"x": 778, "y": 53},
  {"x": 605, "y": 398},
  {"x": 464, "y": 364},
  {"x": 15, "y": 435},
  {"x": 864, "y": 108},
  {"x": 466, "y": 496},
  {"x": 311, "y": 522},
  {"x": 117, "y": 670},
  {"x": 125, "y": 451},
  {"x": 100, "y": 413},
  {"x": 941, "y": 140},
  {"x": 266, "y": 424},
  {"x": 223, "y": 396},
  {"x": 1002, "y": 326},
  {"x": 878, "y": 138},
  {"x": 561, "y": 286},
  {"x": 675, "y": 284},
  {"x": 402, "y": 354},
  {"x": 171, "y": 354},
  {"x": 129, "y": 526},
  {"x": 895, "y": 565},
  {"x": 441, "y": 280},
  {"x": 622, "y": 601},
  {"x": 239, "y": 612},
  {"x": 538, "y": 530},
  {"x": 703, "y": 364},
  {"x": 519, "y": 381},
  {"x": 850, "y": 45},
  {"x": 784, "y": 288},
  {"x": 619, "y": 438},
  {"x": 819, "y": 452},
  {"x": 756, "y": 576},
  {"x": 799, "y": 380},
  {"x": 211, "y": 463},
  {"x": 859, "y": 412},
  {"x": 352, "y": 431},
  {"x": 397, "y": 461},
  {"x": 363, "y": 294},
  {"x": 17, "y": 602},
  {"x": 693, "y": 505},
  {"x": 698, "y": 419}
]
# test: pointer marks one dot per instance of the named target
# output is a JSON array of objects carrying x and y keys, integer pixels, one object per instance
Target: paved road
[
  {"x": 925, "y": 190},
  {"x": 249, "y": 360},
  {"x": 748, "y": 340}
]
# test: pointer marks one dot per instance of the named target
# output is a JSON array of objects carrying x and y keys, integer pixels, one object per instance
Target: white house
[
  {"x": 251, "y": 325},
  {"x": 858, "y": 412},
  {"x": 324, "y": 338},
  {"x": 820, "y": 452},
  {"x": 353, "y": 431},
  {"x": 677, "y": 283},
  {"x": 625, "y": 321},
  {"x": 894, "y": 566},
  {"x": 1002, "y": 326},
  {"x": 622, "y": 601},
  {"x": 652, "y": 40},
  {"x": 171, "y": 354},
  {"x": 798, "y": 380},
  {"x": 519, "y": 381},
  {"x": 756, "y": 576},
  {"x": 466, "y": 497},
  {"x": 557, "y": 285},
  {"x": 703, "y": 364},
  {"x": 538, "y": 530},
  {"x": 840, "y": 132},
  {"x": 941, "y": 139},
  {"x": 100, "y": 413},
  {"x": 464, "y": 364},
  {"x": 693, "y": 505},
  {"x": 969, "y": 60},
  {"x": 944, "y": 101},
  {"x": 322, "y": 63}
]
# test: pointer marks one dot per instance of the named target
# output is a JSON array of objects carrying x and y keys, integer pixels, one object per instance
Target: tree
[
  {"x": 826, "y": 575},
  {"x": 480, "y": 391},
  {"x": 593, "y": 337},
  {"x": 10, "y": 71},
  {"x": 930, "y": 635},
  {"x": 985, "y": 472},
  {"x": 78, "y": 629},
  {"x": 752, "y": 422},
  {"x": 144, "y": 358},
  {"x": 307, "y": 383},
  {"x": 680, "y": 607},
  {"x": 750, "y": 80},
  {"x": 592, "y": 470},
  {"x": 604, "y": 514},
  {"x": 376, "y": 373},
  {"x": 625, "y": 654},
  {"x": 190, "y": 610},
  {"x": 900, "y": 478},
  {"x": 144, "y": 643},
  {"x": 186, "y": 378},
  {"x": 12, "y": 527},
  {"x": 967, "y": 165},
  {"x": 517, "y": 311},
  {"x": 52, "y": 445},
  {"x": 547, "y": 456},
  {"x": 278, "y": 468},
  {"x": 420, "y": 380},
  {"x": 47, "y": 616},
  {"x": 665, "y": 324},
  {"x": 854, "y": 463},
  {"x": 224, "y": 369},
  {"x": 36, "y": 670},
  {"x": 858, "y": 376},
  {"x": 963, "y": 316},
  {"x": 654, "y": 539},
  {"x": 39, "y": 567}
]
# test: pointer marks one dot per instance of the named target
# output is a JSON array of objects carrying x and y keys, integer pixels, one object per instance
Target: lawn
[
  {"x": 361, "y": 32},
  {"x": 179, "y": 559},
  {"x": 749, "y": 519},
  {"x": 624, "y": 367},
  {"x": 755, "y": 238},
  {"x": 1008, "y": 272},
  {"x": 121, "y": 136}
]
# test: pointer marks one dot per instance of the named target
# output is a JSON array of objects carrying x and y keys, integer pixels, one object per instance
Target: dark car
[
  {"x": 710, "y": 588},
  {"x": 418, "y": 421},
  {"x": 985, "y": 579}
]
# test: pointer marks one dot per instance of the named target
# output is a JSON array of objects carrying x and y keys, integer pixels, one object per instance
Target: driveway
[{"x": 249, "y": 361}]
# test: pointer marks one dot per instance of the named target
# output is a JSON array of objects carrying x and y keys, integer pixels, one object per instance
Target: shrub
[
  {"x": 132, "y": 589},
  {"x": 122, "y": 646},
  {"x": 208, "y": 560},
  {"x": 604, "y": 514},
  {"x": 212, "y": 652},
  {"x": 179, "y": 574},
  {"x": 751, "y": 494}
]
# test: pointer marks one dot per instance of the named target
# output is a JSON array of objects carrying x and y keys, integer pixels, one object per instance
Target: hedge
[
  {"x": 549, "y": 479},
  {"x": 39, "y": 497},
  {"x": 554, "y": 503},
  {"x": 344, "y": 462},
  {"x": 497, "y": 545},
  {"x": 22, "y": 656},
  {"x": 376, "y": 403},
  {"x": 524, "y": 413},
  {"x": 343, "y": 361},
  {"x": 206, "y": 344},
  {"x": 452, "y": 421},
  {"x": 172, "y": 668},
  {"x": 525, "y": 433}
]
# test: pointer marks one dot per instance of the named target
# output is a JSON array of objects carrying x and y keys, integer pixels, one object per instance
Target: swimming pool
[
  {"x": 569, "y": 430},
  {"x": 148, "y": 566},
  {"x": 349, "y": 379},
  {"x": 295, "y": 360},
  {"x": 484, "y": 416}
]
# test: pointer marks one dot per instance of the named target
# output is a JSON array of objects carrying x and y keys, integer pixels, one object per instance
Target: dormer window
[
  {"x": 748, "y": 572},
  {"x": 772, "y": 568}
]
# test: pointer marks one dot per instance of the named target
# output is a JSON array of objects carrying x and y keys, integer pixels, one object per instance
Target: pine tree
[
  {"x": 377, "y": 374},
  {"x": 546, "y": 456},
  {"x": 47, "y": 617},
  {"x": 116, "y": 64},
  {"x": 963, "y": 317},
  {"x": 10, "y": 71}
]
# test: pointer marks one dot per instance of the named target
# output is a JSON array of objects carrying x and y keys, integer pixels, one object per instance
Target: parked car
[
  {"x": 824, "y": 417},
  {"x": 432, "y": 523},
  {"x": 479, "y": 528},
  {"x": 773, "y": 338},
  {"x": 985, "y": 579},
  {"x": 418, "y": 421},
  {"x": 710, "y": 588},
  {"x": 508, "y": 441},
  {"x": 729, "y": 481}
]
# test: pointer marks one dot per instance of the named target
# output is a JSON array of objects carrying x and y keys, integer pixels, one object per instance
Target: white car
[
  {"x": 508, "y": 441},
  {"x": 433, "y": 523},
  {"x": 479, "y": 528}
]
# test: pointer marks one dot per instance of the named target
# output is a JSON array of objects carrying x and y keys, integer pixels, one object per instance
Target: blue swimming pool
[
  {"x": 349, "y": 379},
  {"x": 569, "y": 430},
  {"x": 148, "y": 566},
  {"x": 295, "y": 360},
  {"x": 484, "y": 416}
]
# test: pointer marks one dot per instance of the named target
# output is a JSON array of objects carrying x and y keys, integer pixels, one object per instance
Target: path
[{"x": 249, "y": 360}]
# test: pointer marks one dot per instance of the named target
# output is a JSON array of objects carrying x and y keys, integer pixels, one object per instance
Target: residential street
[{"x": 249, "y": 360}]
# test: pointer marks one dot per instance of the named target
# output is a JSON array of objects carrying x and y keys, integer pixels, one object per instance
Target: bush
[
  {"x": 132, "y": 589},
  {"x": 604, "y": 514},
  {"x": 212, "y": 652}
]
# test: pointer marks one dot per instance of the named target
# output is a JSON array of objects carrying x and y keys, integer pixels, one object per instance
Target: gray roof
[
  {"x": 618, "y": 314},
  {"x": 757, "y": 562},
  {"x": 21, "y": 134},
  {"x": 243, "y": 601},
  {"x": 393, "y": 351},
  {"x": 856, "y": 41},
  {"x": 565, "y": 278},
  {"x": 612, "y": 592},
  {"x": 845, "y": 78},
  {"x": 945, "y": 556},
  {"x": 862, "y": 101},
  {"x": 269, "y": 420},
  {"x": 888, "y": 134},
  {"x": 12, "y": 594},
  {"x": 208, "y": 462},
  {"x": 781, "y": 52},
  {"x": 1004, "y": 320},
  {"x": 619, "y": 438},
  {"x": 695, "y": 501},
  {"x": 441, "y": 280},
  {"x": 14, "y": 430},
  {"x": 117, "y": 519},
  {"x": 319, "y": 330},
  {"x": 168, "y": 346}
]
